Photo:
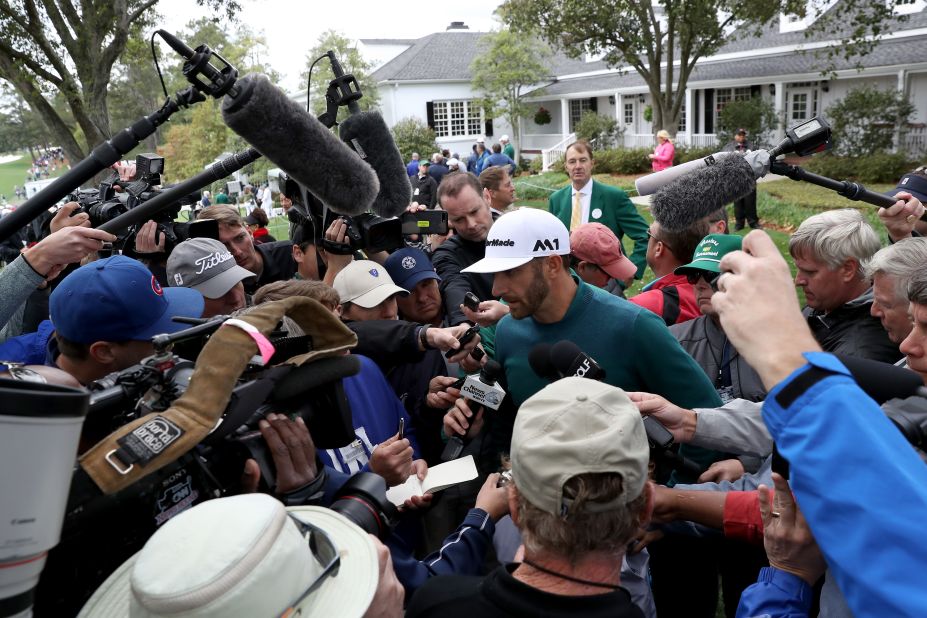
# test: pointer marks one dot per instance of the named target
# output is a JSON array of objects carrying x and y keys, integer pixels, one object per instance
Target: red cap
[{"x": 593, "y": 242}]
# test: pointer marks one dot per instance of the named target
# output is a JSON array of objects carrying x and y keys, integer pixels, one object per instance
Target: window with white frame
[
  {"x": 629, "y": 113},
  {"x": 457, "y": 118},
  {"x": 682, "y": 118},
  {"x": 578, "y": 107},
  {"x": 723, "y": 96},
  {"x": 904, "y": 7}
]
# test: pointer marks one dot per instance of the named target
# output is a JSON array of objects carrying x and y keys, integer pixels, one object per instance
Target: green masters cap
[{"x": 710, "y": 251}]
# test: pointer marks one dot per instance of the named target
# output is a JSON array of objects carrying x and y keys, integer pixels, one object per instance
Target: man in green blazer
[{"x": 599, "y": 203}]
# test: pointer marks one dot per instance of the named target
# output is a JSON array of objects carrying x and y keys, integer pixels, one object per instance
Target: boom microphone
[
  {"x": 301, "y": 146},
  {"x": 883, "y": 381},
  {"x": 697, "y": 195},
  {"x": 370, "y": 138},
  {"x": 651, "y": 183}
]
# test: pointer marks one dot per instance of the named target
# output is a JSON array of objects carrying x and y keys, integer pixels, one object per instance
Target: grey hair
[
  {"x": 901, "y": 261},
  {"x": 834, "y": 236},
  {"x": 917, "y": 287}
]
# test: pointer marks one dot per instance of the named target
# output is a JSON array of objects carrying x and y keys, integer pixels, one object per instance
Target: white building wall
[{"x": 917, "y": 93}]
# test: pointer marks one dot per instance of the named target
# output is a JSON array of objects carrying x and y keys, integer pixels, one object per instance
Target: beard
[{"x": 534, "y": 295}]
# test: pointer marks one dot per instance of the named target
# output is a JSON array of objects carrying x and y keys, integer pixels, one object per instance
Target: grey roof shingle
[{"x": 891, "y": 53}]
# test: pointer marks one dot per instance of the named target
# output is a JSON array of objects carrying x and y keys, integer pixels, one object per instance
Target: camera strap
[{"x": 155, "y": 440}]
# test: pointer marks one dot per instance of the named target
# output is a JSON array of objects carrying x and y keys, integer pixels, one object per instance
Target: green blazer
[{"x": 611, "y": 207}]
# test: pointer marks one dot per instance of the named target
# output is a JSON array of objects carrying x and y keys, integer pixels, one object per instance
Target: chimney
[{"x": 458, "y": 25}]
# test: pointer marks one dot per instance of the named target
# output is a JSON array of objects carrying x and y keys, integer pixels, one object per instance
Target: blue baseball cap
[
  {"x": 914, "y": 183},
  {"x": 409, "y": 266},
  {"x": 118, "y": 299}
]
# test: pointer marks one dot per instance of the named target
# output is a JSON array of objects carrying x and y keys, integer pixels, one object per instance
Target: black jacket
[
  {"x": 452, "y": 256},
  {"x": 278, "y": 264},
  {"x": 852, "y": 331},
  {"x": 424, "y": 190}
]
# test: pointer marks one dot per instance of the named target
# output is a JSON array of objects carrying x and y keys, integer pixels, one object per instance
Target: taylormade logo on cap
[{"x": 518, "y": 237}]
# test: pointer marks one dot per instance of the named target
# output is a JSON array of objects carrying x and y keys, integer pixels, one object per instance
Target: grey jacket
[
  {"x": 704, "y": 340},
  {"x": 17, "y": 282}
]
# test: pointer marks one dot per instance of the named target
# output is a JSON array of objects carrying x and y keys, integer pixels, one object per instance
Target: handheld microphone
[
  {"x": 539, "y": 360},
  {"x": 482, "y": 389},
  {"x": 371, "y": 139},
  {"x": 690, "y": 198},
  {"x": 301, "y": 146},
  {"x": 569, "y": 360}
]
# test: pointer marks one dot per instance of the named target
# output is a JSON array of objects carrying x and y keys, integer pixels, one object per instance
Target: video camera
[{"x": 106, "y": 202}]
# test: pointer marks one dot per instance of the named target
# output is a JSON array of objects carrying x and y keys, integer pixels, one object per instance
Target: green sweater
[{"x": 632, "y": 344}]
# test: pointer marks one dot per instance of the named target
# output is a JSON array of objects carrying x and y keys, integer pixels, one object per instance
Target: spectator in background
[
  {"x": 663, "y": 154},
  {"x": 453, "y": 164},
  {"x": 598, "y": 258},
  {"x": 257, "y": 224},
  {"x": 507, "y": 148},
  {"x": 424, "y": 187},
  {"x": 498, "y": 188},
  {"x": 205, "y": 265},
  {"x": 438, "y": 169},
  {"x": 497, "y": 158},
  {"x": 479, "y": 157},
  {"x": 412, "y": 166},
  {"x": 744, "y": 208}
]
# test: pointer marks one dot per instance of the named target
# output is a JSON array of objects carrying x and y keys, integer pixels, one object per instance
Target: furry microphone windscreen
[
  {"x": 367, "y": 134},
  {"x": 293, "y": 139},
  {"x": 684, "y": 201}
]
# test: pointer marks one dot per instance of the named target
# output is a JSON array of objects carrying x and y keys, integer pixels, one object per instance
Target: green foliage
[
  {"x": 539, "y": 187},
  {"x": 756, "y": 115},
  {"x": 864, "y": 121},
  {"x": 507, "y": 65},
  {"x": 622, "y": 161},
  {"x": 542, "y": 116},
  {"x": 598, "y": 130},
  {"x": 536, "y": 164},
  {"x": 413, "y": 135},
  {"x": 684, "y": 154},
  {"x": 351, "y": 61},
  {"x": 648, "y": 113},
  {"x": 192, "y": 145},
  {"x": 880, "y": 167}
]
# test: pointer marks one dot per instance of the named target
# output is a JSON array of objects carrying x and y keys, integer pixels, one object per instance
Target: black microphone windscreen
[
  {"x": 367, "y": 134},
  {"x": 562, "y": 355},
  {"x": 300, "y": 145},
  {"x": 492, "y": 371},
  {"x": 882, "y": 381},
  {"x": 694, "y": 196},
  {"x": 539, "y": 359}
]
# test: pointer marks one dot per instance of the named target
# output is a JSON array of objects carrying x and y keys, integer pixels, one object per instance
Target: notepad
[{"x": 439, "y": 477}]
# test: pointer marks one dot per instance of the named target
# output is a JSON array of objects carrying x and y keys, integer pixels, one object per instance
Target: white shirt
[{"x": 585, "y": 200}]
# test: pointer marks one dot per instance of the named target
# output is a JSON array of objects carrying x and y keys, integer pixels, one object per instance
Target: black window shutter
[
  {"x": 594, "y": 104},
  {"x": 430, "y": 114},
  {"x": 754, "y": 92},
  {"x": 488, "y": 128},
  {"x": 695, "y": 112},
  {"x": 709, "y": 110}
]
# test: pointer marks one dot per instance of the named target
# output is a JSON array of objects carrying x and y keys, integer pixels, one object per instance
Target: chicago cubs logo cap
[
  {"x": 118, "y": 299},
  {"x": 518, "y": 237}
]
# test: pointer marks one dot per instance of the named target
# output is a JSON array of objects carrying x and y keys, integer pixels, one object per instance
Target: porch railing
[{"x": 550, "y": 155}]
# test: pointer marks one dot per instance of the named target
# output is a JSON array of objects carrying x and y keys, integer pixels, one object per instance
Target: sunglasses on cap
[
  {"x": 323, "y": 550},
  {"x": 711, "y": 278}
]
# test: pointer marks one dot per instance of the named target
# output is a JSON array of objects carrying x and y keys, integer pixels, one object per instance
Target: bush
[
  {"x": 413, "y": 135},
  {"x": 864, "y": 120},
  {"x": 535, "y": 165},
  {"x": 684, "y": 154},
  {"x": 601, "y": 131},
  {"x": 883, "y": 167},
  {"x": 756, "y": 115},
  {"x": 622, "y": 161}
]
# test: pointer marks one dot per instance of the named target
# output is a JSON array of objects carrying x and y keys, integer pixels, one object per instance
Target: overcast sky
[{"x": 291, "y": 27}]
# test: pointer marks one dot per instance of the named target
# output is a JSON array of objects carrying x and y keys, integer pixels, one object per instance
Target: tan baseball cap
[
  {"x": 365, "y": 283},
  {"x": 577, "y": 426}
]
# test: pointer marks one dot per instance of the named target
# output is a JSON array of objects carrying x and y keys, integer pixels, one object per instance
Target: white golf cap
[
  {"x": 518, "y": 237},
  {"x": 365, "y": 283},
  {"x": 504, "y": 138},
  {"x": 481, "y": 140}
]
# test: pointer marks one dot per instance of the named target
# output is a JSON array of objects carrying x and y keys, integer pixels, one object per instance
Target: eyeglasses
[
  {"x": 651, "y": 235},
  {"x": 709, "y": 277},
  {"x": 323, "y": 550}
]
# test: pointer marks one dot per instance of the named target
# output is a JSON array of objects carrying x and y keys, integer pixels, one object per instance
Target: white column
[
  {"x": 690, "y": 113},
  {"x": 780, "y": 110},
  {"x": 564, "y": 117},
  {"x": 902, "y": 88}
]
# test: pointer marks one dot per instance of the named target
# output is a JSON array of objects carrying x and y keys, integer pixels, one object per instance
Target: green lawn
[{"x": 13, "y": 174}]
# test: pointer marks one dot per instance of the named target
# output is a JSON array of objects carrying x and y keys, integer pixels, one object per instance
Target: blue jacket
[
  {"x": 776, "y": 594},
  {"x": 412, "y": 168},
  {"x": 497, "y": 158},
  {"x": 376, "y": 411},
  {"x": 31, "y": 348},
  {"x": 860, "y": 485}
]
